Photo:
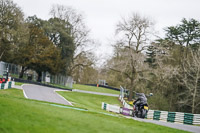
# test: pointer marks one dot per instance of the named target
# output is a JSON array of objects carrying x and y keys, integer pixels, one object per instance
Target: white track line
[
  {"x": 62, "y": 97},
  {"x": 24, "y": 91}
]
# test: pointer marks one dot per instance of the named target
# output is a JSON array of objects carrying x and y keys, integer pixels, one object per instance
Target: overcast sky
[{"x": 101, "y": 16}]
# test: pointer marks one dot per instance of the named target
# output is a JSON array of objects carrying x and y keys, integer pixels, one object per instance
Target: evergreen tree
[
  {"x": 44, "y": 55},
  {"x": 59, "y": 33},
  {"x": 151, "y": 54},
  {"x": 185, "y": 34}
]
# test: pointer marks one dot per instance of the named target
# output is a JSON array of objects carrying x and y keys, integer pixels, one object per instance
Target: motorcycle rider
[{"x": 140, "y": 100}]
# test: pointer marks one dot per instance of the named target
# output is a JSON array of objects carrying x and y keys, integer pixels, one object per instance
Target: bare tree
[
  {"x": 178, "y": 85},
  {"x": 85, "y": 71},
  {"x": 189, "y": 77},
  {"x": 76, "y": 20},
  {"x": 134, "y": 31},
  {"x": 163, "y": 80},
  {"x": 130, "y": 68}
]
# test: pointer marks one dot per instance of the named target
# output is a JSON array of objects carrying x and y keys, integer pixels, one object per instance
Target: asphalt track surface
[
  {"x": 42, "y": 93},
  {"x": 190, "y": 128}
]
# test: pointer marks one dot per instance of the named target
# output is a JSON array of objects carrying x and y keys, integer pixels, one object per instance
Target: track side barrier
[
  {"x": 111, "y": 108},
  {"x": 7, "y": 85},
  {"x": 116, "y": 109},
  {"x": 173, "y": 117}
]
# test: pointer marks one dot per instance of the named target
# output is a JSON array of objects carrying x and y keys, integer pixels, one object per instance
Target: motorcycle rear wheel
[{"x": 143, "y": 113}]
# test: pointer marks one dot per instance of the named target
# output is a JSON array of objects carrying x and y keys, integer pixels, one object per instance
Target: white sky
[{"x": 101, "y": 16}]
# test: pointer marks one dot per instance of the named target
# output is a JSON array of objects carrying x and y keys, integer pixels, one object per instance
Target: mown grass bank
[
  {"x": 95, "y": 89},
  {"x": 19, "y": 83},
  {"x": 90, "y": 101}
]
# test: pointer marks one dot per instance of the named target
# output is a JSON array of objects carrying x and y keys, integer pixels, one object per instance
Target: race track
[{"x": 42, "y": 93}]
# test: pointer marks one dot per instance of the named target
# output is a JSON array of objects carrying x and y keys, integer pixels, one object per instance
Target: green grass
[
  {"x": 17, "y": 76},
  {"x": 90, "y": 101},
  {"x": 89, "y": 88},
  {"x": 11, "y": 93},
  {"x": 95, "y": 89},
  {"x": 61, "y": 86},
  {"x": 19, "y": 83},
  {"x": 20, "y": 115}
]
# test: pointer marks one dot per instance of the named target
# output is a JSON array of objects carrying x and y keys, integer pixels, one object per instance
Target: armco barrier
[
  {"x": 173, "y": 117},
  {"x": 188, "y": 118},
  {"x": 7, "y": 85},
  {"x": 111, "y": 108},
  {"x": 156, "y": 115},
  {"x": 150, "y": 114},
  {"x": 116, "y": 109},
  {"x": 196, "y": 119},
  {"x": 125, "y": 105},
  {"x": 2, "y": 85},
  {"x": 126, "y": 111},
  {"x": 163, "y": 116}
]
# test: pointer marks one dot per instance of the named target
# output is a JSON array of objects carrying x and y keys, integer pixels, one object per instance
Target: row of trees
[
  {"x": 169, "y": 67},
  {"x": 57, "y": 45}
]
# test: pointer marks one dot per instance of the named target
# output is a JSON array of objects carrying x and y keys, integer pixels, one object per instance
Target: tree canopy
[
  {"x": 185, "y": 34},
  {"x": 41, "y": 45}
]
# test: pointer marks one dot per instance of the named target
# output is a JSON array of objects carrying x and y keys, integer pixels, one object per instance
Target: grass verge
[
  {"x": 19, "y": 83},
  {"x": 90, "y": 101},
  {"x": 60, "y": 86},
  {"x": 95, "y": 89}
]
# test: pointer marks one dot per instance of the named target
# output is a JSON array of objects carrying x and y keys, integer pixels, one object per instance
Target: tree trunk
[
  {"x": 22, "y": 72},
  {"x": 170, "y": 103},
  {"x": 1, "y": 54},
  {"x": 195, "y": 92},
  {"x": 132, "y": 75},
  {"x": 131, "y": 91},
  {"x": 39, "y": 79}
]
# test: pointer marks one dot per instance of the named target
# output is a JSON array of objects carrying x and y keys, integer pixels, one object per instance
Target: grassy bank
[
  {"x": 90, "y": 101},
  {"x": 95, "y": 89},
  {"x": 23, "y": 115},
  {"x": 19, "y": 83}
]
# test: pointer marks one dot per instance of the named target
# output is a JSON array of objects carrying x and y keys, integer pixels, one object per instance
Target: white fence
[{"x": 111, "y": 108}]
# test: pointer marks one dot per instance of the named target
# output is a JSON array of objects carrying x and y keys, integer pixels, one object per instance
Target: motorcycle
[{"x": 141, "y": 111}]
